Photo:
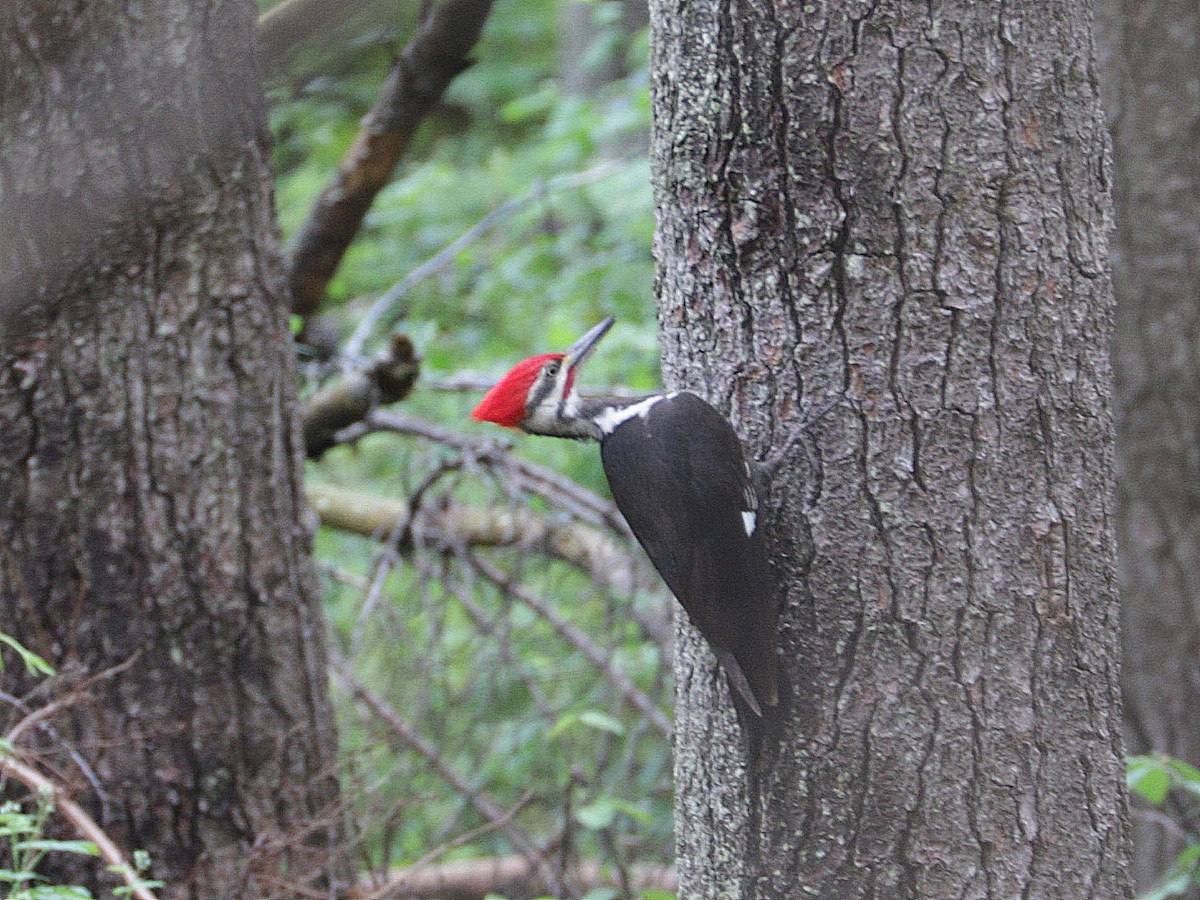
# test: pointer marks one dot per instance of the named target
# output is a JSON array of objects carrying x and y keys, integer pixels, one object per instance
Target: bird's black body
[
  {"x": 679, "y": 476},
  {"x": 681, "y": 479}
]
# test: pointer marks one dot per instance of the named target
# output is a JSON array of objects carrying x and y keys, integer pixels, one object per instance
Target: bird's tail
[{"x": 738, "y": 679}]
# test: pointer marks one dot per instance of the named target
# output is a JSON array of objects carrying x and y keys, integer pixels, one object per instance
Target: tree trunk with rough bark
[
  {"x": 906, "y": 208},
  {"x": 150, "y": 485},
  {"x": 1153, "y": 69}
]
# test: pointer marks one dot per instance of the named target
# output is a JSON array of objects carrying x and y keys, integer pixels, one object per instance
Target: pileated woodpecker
[{"x": 679, "y": 476}]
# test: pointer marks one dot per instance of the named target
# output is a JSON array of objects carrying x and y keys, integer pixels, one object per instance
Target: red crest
[{"x": 505, "y": 403}]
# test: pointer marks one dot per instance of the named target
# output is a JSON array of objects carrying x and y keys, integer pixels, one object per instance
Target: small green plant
[
  {"x": 1153, "y": 778},
  {"x": 23, "y": 832}
]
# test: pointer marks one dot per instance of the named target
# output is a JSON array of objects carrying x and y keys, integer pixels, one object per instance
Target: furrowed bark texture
[
  {"x": 904, "y": 205},
  {"x": 1152, "y": 69},
  {"x": 150, "y": 490}
]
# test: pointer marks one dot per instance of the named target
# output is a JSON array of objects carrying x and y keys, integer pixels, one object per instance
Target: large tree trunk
[
  {"x": 904, "y": 206},
  {"x": 150, "y": 493},
  {"x": 1153, "y": 68}
]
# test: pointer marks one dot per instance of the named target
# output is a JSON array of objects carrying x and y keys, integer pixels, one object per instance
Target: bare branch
[
  {"x": 401, "y": 729},
  {"x": 575, "y": 636},
  {"x": 510, "y": 876},
  {"x": 488, "y": 628},
  {"x": 435, "y": 55},
  {"x": 389, "y": 888},
  {"x": 78, "y": 693},
  {"x": 525, "y": 475},
  {"x": 387, "y": 378},
  {"x": 618, "y": 571},
  {"x": 601, "y": 558}
]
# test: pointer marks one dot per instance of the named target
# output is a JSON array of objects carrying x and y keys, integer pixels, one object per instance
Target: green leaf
[
  {"x": 1185, "y": 776},
  {"x": 1146, "y": 776},
  {"x": 597, "y": 816},
  {"x": 126, "y": 890},
  {"x": 655, "y": 894},
  {"x": 83, "y": 848},
  {"x": 601, "y": 722},
  {"x": 34, "y": 664},
  {"x": 11, "y": 876},
  {"x": 1188, "y": 859},
  {"x": 532, "y": 106},
  {"x": 564, "y": 722}
]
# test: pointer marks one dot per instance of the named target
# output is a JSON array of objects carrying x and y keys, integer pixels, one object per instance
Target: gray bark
[
  {"x": 150, "y": 481},
  {"x": 905, "y": 206},
  {"x": 1152, "y": 71}
]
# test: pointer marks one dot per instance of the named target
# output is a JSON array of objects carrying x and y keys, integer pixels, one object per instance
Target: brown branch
[
  {"x": 346, "y": 400},
  {"x": 592, "y": 552},
  {"x": 374, "y": 890},
  {"x": 627, "y": 574},
  {"x": 76, "y": 694},
  {"x": 510, "y": 876},
  {"x": 586, "y": 549},
  {"x": 435, "y": 55},
  {"x": 84, "y": 824}
]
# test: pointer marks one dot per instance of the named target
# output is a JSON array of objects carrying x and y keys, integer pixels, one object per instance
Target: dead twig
[
  {"x": 401, "y": 883},
  {"x": 76, "y": 694},
  {"x": 594, "y": 553},
  {"x": 524, "y": 475}
]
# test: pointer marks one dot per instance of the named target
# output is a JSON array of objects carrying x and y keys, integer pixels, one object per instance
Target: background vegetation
[{"x": 489, "y": 708}]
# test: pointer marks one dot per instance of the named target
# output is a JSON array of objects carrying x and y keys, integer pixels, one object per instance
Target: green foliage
[
  {"x": 1156, "y": 779},
  {"x": 522, "y": 715},
  {"x": 550, "y": 271},
  {"x": 22, "y": 834},
  {"x": 23, "y": 843},
  {"x": 34, "y": 664}
]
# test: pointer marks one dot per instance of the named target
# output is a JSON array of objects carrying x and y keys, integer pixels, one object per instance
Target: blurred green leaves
[
  {"x": 509, "y": 706},
  {"x": 1154, "y": 778}
]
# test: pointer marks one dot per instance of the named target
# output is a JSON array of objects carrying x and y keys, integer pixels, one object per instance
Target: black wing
[{"x": 679, "y": 476}]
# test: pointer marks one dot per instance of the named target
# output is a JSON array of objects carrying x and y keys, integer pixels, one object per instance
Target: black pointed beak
[{"x": 583, "y": 347}]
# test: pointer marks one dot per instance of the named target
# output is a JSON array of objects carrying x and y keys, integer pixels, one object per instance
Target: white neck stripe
[{"x": 609, "y": 420}]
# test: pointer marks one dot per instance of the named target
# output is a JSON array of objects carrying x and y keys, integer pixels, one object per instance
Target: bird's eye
[{"x": 551, "y": 369}]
